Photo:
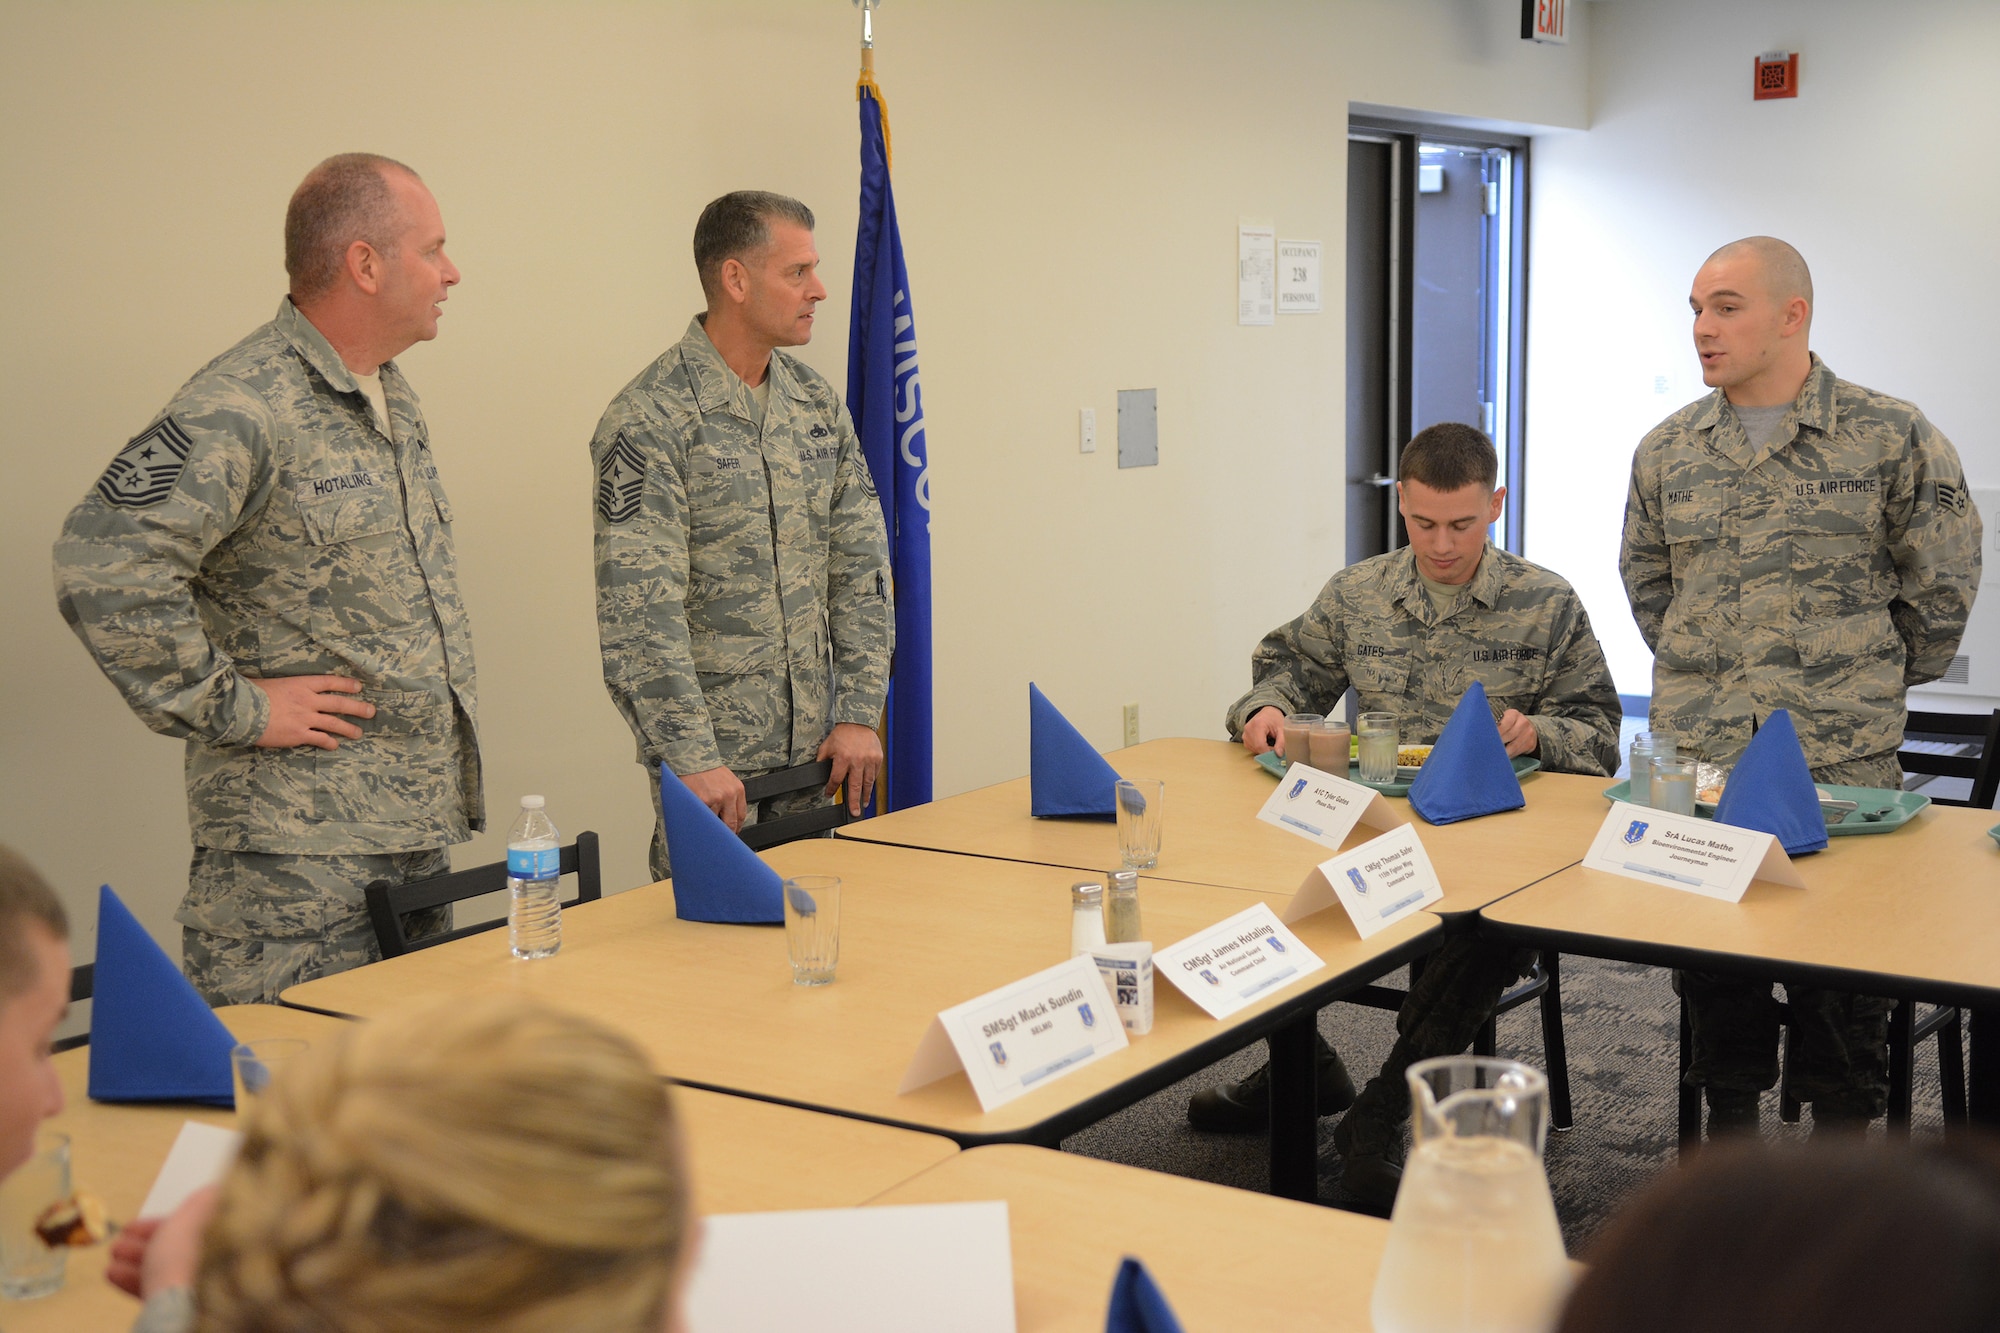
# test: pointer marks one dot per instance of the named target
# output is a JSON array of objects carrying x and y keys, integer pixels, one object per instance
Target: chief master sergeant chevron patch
[
  {"x": 145, "y": 470},
  {"x": 621, "y": 477}
]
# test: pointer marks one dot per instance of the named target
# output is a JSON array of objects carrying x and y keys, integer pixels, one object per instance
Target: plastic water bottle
[{"x": 534, "y": 856}]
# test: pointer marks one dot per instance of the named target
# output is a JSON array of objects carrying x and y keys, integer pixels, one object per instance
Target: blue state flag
[{"x": 887, "y": 406}]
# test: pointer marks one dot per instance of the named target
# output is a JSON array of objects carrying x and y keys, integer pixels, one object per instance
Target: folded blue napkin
[
  {"x": 1468, "y": 773},
  {"x": 152, "y": 1037},
  {"x": 1771, "y": 789},
  {"x": 1066, "y": 774},
  {"x": 1136, "y": 1303},
  {"x": 716, "y": 878}
]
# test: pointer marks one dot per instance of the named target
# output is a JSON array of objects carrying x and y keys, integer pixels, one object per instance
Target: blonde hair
[{"x": 491, "y": 1165}]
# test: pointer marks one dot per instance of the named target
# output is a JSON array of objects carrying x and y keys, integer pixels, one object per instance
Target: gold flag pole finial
[{"x": 866, "y": 86}]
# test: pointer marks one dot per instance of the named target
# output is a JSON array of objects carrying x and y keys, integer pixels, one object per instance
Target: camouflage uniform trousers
[
  {"x": 791, "y": 803},
  {"x": 255, "y": 923},
  {"x": 1842, "y": 1061},
  {"x": 1456, "y": 991}
]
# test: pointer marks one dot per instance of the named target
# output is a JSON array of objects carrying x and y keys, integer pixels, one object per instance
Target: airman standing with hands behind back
[
  {"x": 267, "y": 572},
  {"x": 1792, "y": 541}
]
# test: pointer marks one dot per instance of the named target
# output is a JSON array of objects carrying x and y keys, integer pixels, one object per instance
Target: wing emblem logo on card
[
  {"x": 1298, "y": 790},
  {"x": 1637, "y": 832}
]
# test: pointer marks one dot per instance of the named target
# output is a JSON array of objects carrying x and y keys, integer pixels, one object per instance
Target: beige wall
[{"x": 1070, "y": 177}]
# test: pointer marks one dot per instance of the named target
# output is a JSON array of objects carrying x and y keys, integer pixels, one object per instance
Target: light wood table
[
  {"x": 1213, "y": 836},
  {"x": 714, "y": 1005},
  {"x": 1224, "y": 1258},
  {"x": 1912, "y": 914},
  {"x": 745, "y": 1156}
]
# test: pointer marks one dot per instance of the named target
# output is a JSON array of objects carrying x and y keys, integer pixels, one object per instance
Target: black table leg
[
  {"x": 1295, "y": 1111},
  {"x": 1983, "y": 1078}
]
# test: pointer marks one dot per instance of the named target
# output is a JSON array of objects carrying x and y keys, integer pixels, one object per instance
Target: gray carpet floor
[{"x": 1620, "y": 1023}]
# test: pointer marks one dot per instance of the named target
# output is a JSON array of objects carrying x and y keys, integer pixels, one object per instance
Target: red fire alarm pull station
[{"x": 1777, "y": 75}]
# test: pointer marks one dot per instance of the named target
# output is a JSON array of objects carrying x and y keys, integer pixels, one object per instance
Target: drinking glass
[
  {"x": 1140, "y": 805},
  {"x": 1673, "y": 785},
  {"x": 29, "y": 1267},
  {"x": 1378, "y": 747},
  {"x": 1648, "y": 746},
  {"x": 1298, "y": 736},
  {"x": 255, "y": 1063},
  {"x": 812, "y": 927},
  {"x": 1329, "y": 741}
]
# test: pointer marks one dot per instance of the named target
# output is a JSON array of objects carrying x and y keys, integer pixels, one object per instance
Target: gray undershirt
[{"x": 1761, "y": 423}]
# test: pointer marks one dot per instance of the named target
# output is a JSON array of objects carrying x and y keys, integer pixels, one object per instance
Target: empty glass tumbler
[{"x": 812, "y": 927}]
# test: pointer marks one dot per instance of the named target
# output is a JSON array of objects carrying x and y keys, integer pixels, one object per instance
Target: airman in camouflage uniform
[
  {"x": 1516, "y": 628},
  {"x": 1822, "y": 565},
  {"x": 742, "y": 565},
  {"x": 268, "y": 533}
]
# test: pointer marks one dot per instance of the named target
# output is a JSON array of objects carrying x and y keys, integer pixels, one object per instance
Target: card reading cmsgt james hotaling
[{"x": 1236, "y": 962}]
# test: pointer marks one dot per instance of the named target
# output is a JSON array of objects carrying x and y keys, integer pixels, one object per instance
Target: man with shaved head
[
  {"x": 266, "y": 572},
  {"x": 1792, "y": 541}
]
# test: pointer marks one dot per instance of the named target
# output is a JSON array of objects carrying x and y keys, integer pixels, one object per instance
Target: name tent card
[
  {"x": 1682, "y": 852},
  {"x": 1379, "y": 883},
  {"x": 1234, "y": 962},
  {"x": 1325, "y": 808},
  {"x": 1012, "y": 1040}
]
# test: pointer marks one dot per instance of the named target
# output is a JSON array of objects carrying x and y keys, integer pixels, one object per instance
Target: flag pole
[{"x": 864, "y": 86}]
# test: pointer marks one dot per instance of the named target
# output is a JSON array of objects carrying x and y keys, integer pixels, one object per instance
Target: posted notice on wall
[
  {"x": 1682, "y": 852},
  {"x": 1235, "y": 962},
  {"x": 1298, "y": 277},
  {"x": 1015, "y": 1039},
  {"x": 1325, "y": 807},
  {"x": 1379, "y": 883},
  {"x": 1256, "y": 273}
]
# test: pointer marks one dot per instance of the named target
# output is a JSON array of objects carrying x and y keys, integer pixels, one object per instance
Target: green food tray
[
  {"x": 1272, "y": 764},
  {"x": 1994, "y": 833},
  {"x": 1902, "y": 806}
]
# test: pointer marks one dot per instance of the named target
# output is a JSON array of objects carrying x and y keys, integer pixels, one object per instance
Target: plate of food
[{"x": 1848, "y": 811}]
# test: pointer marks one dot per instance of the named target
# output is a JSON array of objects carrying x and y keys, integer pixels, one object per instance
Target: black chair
[
  {"x": 82, "y": 981},
  {"x": 1543, "y": 983},
  {"x": 1981, "y": 766},
  {"x": 804, "y": 824},
  {"x": 388, "y": 904}
]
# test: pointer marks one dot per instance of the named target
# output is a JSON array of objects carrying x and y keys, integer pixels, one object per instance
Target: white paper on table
[
  {"x": 1683, "y": 852},
  {"x": 1256, "y": 273},
  {"x": 201, "y": 1155},
  {"x": 1235, "y": 962},
  {"x": 1325, "y": 807},
  {"x": 911, "y": 1269},
  {"x": 1012, "y": 1040},
  {"x": 1379, "y": 883}
]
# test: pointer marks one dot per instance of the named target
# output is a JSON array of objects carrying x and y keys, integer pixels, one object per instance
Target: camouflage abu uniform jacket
[
  {"x": 263, "y": 526},
  {"x": 1822, "y": 574},
  {"x": 1517, "y": 629},
  {"x": 742, "y": 576}
]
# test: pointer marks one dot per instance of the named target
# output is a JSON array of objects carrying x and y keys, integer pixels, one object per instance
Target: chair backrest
[
  {"x": 388, "y": 904},
  {"x": 1983, "y": 768},
  {"x": 82, "y": 982},
  {"x": 806, "y": 823}
]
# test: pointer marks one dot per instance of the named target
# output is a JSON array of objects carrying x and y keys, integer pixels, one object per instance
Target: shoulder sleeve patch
[
  {"x": 621, "y": 478},
  {"x": 145, "y": 471},
  {"x": 1953, "y": 499}
]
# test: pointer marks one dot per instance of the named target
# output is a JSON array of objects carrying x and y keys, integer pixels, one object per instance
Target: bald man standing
[
  {"x": 266, "y": 572},
  {"x": 1792, "y": 541}
]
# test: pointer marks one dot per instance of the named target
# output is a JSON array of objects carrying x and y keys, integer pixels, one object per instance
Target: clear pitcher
[{"x": 1473, "y": 1242}]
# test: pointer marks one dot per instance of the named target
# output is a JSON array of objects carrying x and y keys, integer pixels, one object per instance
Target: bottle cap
[
  {"x": 1086, "y": 889},
  {"x": 532, "y": 803},
  {"x": 1125, "y": 879}
]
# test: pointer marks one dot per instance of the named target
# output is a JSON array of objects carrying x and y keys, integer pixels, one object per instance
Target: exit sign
[{"x": 1545, "y": 21}]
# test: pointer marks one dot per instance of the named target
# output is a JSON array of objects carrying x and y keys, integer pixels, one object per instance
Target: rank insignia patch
[
  {"x": 145, "y": 470},
  {"x": 1952, "y": 498},
  {"x": 620, "y": 479}
]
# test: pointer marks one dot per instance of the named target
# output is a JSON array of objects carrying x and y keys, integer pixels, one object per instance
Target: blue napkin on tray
[
  {"x": 1771, "y": 789},
  {"x": 152, "y": 1037},
  {"x": 1136, "y": 1303},
  {"x": 715, "y": 877},
  {"x": 1066, "y": 774},
  {"x": 1468, "y": 773}
]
